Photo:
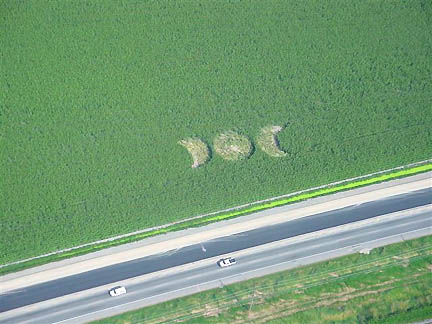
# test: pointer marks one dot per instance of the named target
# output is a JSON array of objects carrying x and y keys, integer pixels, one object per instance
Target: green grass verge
[
  {"x": 211, "y": 219},
  {"x": 391, "y": 283},
  {"x": 96, "y": 95},
  {"x": 410, "y": 316}
]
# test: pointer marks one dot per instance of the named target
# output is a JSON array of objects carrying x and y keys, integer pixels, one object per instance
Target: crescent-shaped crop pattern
[
  {"x": 198, "y": 149},
  {"x": 268, "y": 142}
]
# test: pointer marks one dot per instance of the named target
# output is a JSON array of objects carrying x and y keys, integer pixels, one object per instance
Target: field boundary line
[{"x": 236, "y": 208}]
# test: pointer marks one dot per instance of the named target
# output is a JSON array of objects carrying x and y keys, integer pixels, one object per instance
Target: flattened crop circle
[
  {"x": 232, "y": 146},
  {"x": 197, "y": 149}
]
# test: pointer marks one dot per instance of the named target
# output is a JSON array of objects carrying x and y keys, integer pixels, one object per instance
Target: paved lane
[
  {"x": 204, "y": 275},
  {"x": 103, "y": 276}
]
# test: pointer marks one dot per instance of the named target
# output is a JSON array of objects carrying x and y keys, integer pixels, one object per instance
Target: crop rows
[{"x": 95, "y": 96}]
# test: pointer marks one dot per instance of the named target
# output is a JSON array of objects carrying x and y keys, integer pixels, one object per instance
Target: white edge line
[
  {"x": 220, "y": 211},
  {"x": 233, "y": 276}
]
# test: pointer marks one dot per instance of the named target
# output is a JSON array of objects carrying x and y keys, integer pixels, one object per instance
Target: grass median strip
[
  {"x": 211, "y": 219},
  {"x": 389, "y": 283}
]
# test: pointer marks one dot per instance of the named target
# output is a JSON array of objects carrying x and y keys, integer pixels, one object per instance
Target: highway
[{"x": 86, "y": 297}]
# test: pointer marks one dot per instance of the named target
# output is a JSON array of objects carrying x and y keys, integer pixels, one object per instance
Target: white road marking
[{"x": 228, "y": 277}]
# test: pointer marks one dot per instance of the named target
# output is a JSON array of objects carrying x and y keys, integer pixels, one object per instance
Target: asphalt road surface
[{"x": 213, "y": 248}]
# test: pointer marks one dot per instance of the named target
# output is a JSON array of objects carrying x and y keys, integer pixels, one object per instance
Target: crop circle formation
[
  {"x": 268, "y": 142},
  {"x": 197, "y": 149},
  {"x": 232, "y": 146}
]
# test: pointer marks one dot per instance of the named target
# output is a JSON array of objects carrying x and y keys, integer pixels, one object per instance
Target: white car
[
  {"x": 117, "y": 291},
  {"x": 226, "y": 262}
]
